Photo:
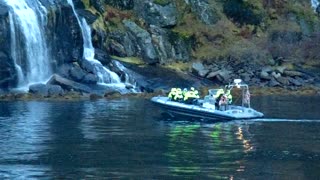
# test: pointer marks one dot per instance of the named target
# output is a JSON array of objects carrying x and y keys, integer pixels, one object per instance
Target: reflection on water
[
  {"x": 128, "y": 138},
  {"x": 214, "y": 151},
  {"x": 182, "y": 153},
  {"x": 23, "y": 137}
]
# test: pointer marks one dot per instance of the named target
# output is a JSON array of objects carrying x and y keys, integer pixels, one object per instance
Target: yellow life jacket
[
  {"x": 218, "y": 93},
  {"x": 229, "y": 96}
]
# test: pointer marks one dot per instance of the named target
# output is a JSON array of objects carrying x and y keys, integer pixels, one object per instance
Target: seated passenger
[
  {"x": 191, "y": 96},
  {"x": 172, "y": 93},
  {"x": 178, "y": 96}
]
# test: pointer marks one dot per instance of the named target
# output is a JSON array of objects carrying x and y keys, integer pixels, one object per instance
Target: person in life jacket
[
  {"x": 172, "y": 93},
  {"x": 229, "y": 96},
  {"x": 191, "y": 95},
  {"x": 218, "y": 93},
  {"x": 195, "y": 93},
  {"x": 223, "y": 102},
  {"x": 178, "y": 96},
  {"x": 217, "y": 97}
]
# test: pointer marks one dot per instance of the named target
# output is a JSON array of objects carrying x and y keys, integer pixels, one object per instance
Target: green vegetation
[
  {"x": 248, "y": 30},
  {"x": 131, "y": 60},
  {"x": 86, "y": 3},
  {"x": 162, "y": 2}
]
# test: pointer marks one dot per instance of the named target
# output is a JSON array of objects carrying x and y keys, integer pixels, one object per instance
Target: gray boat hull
[{"x": 196, "y": 111}]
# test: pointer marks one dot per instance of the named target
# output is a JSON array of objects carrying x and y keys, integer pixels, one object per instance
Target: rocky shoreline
[{"x": 76, "y": 96}]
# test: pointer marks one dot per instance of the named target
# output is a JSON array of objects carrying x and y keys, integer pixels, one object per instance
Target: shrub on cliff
[{"x": 244, "y": 12}]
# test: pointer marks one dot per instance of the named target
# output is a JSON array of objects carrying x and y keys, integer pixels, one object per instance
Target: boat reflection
[{"x": 216, "y": 150}]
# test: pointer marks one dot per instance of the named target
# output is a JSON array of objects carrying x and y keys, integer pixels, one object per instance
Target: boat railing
[{"x": 245, "y": 93}]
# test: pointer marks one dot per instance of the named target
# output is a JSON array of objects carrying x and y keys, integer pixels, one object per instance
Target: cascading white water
[
  {"x": 13, "y": 52},
  {"x": 314, "y": 4},
  {"x": 105, "y": 75},
  {"x": 28, "y": 43}
]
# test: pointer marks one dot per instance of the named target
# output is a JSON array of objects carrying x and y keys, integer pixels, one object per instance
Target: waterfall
[
  {"x": 13, "y": 52},
  {"x": 105, "y": 75},
  {"x": 28, "y": 44},
  {"x": 314, "y": 4}
]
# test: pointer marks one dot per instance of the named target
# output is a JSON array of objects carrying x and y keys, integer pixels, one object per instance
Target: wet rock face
[
  {"x": 170, "y": 45},
  {"x": 164, "y": 45},
  {"x": 121, "y": 4},
  {"x": 144, "y": 42},
  {"x": 157, "y": 14},
  {"x": 64, "y": 34},
  {"x": 98, "y": 5},
  {"x": 204, "y": 10},
  {"x": 121, "y": 44},
  {"x": 8, "y": 77}
]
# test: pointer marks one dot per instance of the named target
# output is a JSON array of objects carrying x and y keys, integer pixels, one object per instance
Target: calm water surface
[{"x": 129, "y": 138}]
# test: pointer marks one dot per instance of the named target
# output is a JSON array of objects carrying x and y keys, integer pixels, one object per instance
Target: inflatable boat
[{"x": 211, "y": 108}]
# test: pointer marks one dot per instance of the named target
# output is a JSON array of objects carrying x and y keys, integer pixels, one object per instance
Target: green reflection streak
[
  {"x": 222, "y": 158},
  {"x": 181, "y": 154}
]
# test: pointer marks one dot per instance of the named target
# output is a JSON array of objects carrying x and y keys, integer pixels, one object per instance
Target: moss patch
[
  {"x": 131, "y": 60},
  {"x": 86, "y": 3},
  {"x": 162, "y": 2}
]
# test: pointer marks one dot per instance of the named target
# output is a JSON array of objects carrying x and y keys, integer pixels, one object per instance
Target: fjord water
[{"x": 129, "y": 138}]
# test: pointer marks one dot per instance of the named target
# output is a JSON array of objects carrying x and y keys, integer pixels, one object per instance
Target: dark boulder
[
  {"x": 46, "y": 90},
  {"x": 102, "y": 56},
  {"x": 265, "y": 75},
  {"x": 295, "y": 82},
  {"x": 69, "y": 85},
  {"x": 90, "y": 79},
  {"x": 55, "y": 90},
  {"x": 88, "y": 66},
  {"x": 77, "y": 74},
  {"x": 199, "y": 69},
  {"x": 274, "y": 83},
  {"x": 283, "y": 80},
  {"x": 39, "y": 89}
]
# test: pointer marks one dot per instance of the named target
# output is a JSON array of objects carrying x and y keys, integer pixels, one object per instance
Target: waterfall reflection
[{"x": 24, "y": 138}]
